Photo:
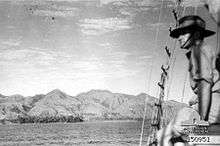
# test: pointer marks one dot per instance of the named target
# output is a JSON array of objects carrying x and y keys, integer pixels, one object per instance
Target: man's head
[
  {"x": 191, "y": 28},
  {"x": 186, "y": 40}
]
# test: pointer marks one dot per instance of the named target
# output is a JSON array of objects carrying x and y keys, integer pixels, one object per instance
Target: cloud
[
  {"x": 137, "y": 3},
  {"x": 118, "y": 55},
  {"x": 53, "y": 8},
  {"x": 11, "y": 42},
  {"x": 51, "y": 62},
  {"x": 9, "y": 55},
  {"x": 190, "y": 3},
  {"x": 106, "y": 62},
  {"x": 101, "y": 2},
  {"x": 157, "y": 25},
  {"x": 110, "y": 1},
  {"x": 130, "y": 8},
  {"x": 145, "y": 57},
  {"x": 34, "y": 57},
  {"x": 112, "y": 56},
  {"x": 110, "y": 65},
  {"x": 42, "y": 1},
  {"x": 57, "y": 11},
  {"x": 102, "y": 26},
  {"x": 87, "y": 65},
  {"x": 91, "y": 71},
  {"x": 143, "y": 60},
  {"x": 105, "y": 45},
  {"x": 26, "y": 58}
]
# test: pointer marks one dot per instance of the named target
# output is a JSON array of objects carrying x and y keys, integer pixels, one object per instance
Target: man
[
  {"x": 204, "y": 77},
  {"x": 204, "y": 80}
]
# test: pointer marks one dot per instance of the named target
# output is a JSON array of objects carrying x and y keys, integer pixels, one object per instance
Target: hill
[{"x": 57, "y": 106}]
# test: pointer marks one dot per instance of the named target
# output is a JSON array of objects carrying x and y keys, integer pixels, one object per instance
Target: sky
[{"x": 79, "y": 45}]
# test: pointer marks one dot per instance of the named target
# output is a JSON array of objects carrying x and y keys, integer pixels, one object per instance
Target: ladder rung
[
  {"x": 155, "y": 124},
  {"x": 158, "y": 104},
  {"x": 161, "y": 86}
]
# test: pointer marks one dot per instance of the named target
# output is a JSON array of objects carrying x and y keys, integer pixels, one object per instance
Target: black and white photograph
[{"x": 109, "y": 72}]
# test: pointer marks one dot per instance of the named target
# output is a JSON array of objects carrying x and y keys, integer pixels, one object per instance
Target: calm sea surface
[{"x": 114, "y": 133}]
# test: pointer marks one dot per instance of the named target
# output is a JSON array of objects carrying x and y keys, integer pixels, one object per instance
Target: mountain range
[{"x": 57, "y": 106}]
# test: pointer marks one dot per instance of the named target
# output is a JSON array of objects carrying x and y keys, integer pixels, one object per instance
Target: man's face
[{"x": 184, "y": 40}]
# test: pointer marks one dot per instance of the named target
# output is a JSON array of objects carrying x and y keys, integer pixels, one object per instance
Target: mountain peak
[
  {"x": 142, "y": 94},
  {"x": 55, "y": 91},
  {"x": 98, "y": 91},
  {"x": 2, "y": 96}
]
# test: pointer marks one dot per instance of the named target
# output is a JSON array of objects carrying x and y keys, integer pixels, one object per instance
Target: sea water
[{"x": 102, "y": 133}]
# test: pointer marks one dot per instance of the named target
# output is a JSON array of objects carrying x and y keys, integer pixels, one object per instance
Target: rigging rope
[
  {"x": 149, "y": 81},
  {"x": 173, "y": 59}
]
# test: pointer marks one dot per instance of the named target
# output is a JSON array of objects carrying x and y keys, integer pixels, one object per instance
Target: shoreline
[{"x": 84, "y": 122}]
